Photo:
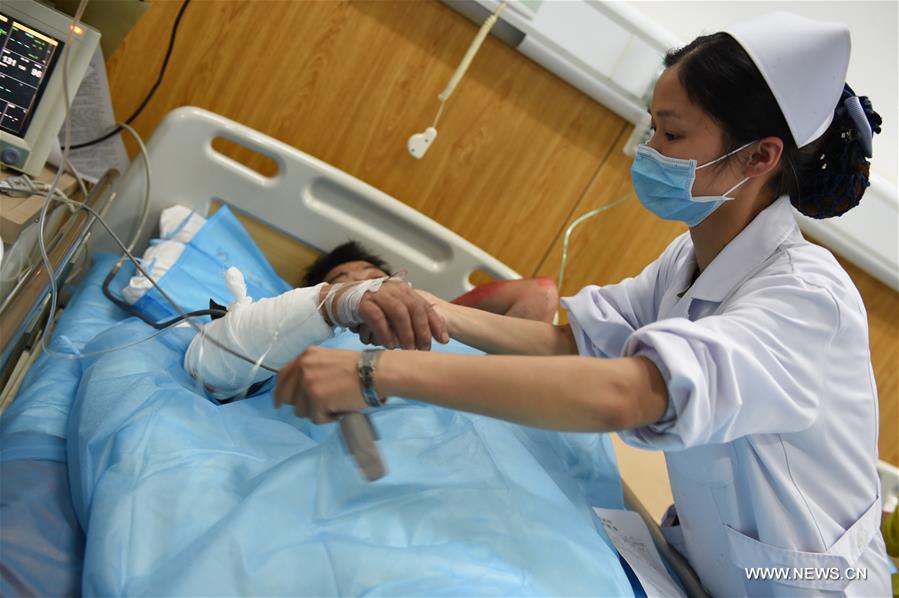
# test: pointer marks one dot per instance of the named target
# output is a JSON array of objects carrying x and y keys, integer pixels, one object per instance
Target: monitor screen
[{"x": 27, "y": 58}]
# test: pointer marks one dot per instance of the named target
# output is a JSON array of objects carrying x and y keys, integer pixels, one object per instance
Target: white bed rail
[{"x": 307, "y": 199}]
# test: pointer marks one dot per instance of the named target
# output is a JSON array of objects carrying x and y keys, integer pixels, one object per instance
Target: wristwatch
[{"x": 366, "y": 368}]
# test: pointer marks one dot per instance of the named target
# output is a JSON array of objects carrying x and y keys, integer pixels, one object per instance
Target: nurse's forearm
[
  {"x": 579, "y": 394},
  {"x": 497, "y": 334}
]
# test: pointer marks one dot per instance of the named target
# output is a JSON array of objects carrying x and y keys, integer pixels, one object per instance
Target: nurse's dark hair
[
  {"x": 824, "y": 178},
  {"x": 348, "y": 252}
]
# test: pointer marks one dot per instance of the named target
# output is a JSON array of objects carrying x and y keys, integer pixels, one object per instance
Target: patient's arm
[
  {"x": 528, "y": 298},
  {"x": 496, "y": 334},
  {"x": 275, "y": 329},
  {"x": 396, "y": 316}
]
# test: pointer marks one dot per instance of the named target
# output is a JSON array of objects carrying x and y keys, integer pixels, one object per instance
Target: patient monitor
[{"x": 32, "y": 102}]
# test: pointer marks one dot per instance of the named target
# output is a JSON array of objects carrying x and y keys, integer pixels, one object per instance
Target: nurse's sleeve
[
  {"x": 602, "y": 318},
  {"x": 753, "y": 369}
]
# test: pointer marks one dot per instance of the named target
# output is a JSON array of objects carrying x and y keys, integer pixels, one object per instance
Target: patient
[
  {"x": 349, "y": 287},
  {"x": 236, "y": 352},
  {"x": 527, "y": 298}
]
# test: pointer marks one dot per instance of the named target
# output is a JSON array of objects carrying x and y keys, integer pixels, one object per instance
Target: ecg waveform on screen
[{"x": 26, "y": 58}]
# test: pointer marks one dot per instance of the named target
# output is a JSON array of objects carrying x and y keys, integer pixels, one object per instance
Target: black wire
[
  {"x": 215, "y": 312},
  {"x": 158, "y": 325},
  {"x": 143, "y": 104}
]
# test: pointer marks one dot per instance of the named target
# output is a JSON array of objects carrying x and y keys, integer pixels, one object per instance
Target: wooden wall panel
[
  {"x": 348, "y": 82},
  {"x": 616, "y": 243},
  {"x": 882, "y": 304}
]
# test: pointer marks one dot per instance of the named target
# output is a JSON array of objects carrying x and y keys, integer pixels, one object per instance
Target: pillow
[{"x": 198, "y": 274}]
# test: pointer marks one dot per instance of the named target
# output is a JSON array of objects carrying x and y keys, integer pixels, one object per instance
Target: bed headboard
[{"x": 306, "y": 199}]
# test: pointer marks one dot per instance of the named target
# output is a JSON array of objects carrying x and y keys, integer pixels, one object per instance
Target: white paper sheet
[
  {"x": 631, "y": 537},
  {"x": 92, "y": 117}
]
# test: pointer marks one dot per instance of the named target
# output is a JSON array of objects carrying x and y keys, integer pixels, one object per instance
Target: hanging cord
[
  {"x": 146, "y": 100},
  {"x": 467, "y": 59},
  {"x": 51, "y": 195},
  {"x": 574, "y": 224}
]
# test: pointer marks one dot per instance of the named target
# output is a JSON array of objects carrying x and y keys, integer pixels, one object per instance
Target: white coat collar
[{"x": 746, "y": 252}]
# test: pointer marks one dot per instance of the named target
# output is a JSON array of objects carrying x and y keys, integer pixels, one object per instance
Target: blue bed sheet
[
  {"x": 179, "y": 496},
  {"x": 34, "y": 425},
  {"x": 183, "y": 497},
  {"x": 42, "y": 541}
]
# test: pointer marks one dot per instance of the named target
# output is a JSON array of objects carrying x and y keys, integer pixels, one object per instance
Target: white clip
[{"x": 419, "y": 143}]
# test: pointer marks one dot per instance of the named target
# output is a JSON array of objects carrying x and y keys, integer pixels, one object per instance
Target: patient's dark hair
[
  {"x": 348, "y": 252},
  {"x": 824, "y": 178}
]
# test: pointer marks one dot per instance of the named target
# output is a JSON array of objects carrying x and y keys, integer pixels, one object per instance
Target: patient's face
[{"x": 353, "y": 272}]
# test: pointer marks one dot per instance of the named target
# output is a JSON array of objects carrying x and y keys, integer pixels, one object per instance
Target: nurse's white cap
[{"x": 804, "y": 63}]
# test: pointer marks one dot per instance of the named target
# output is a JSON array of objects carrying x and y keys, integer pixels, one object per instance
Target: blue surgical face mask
[{"x": 664, "y": 186}]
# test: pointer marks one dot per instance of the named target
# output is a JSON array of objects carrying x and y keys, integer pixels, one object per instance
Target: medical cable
[
  {"x": 184, "y": 315},
  {"x": 51, "y": 191},
  {"x": 135, "y": 236},
  {"x": 349, "y": 422},
  {"x": 419, "y": 143},
  {"x": 42, "y": 220},
  {"x": 124, "y": 306},
  {"x": 469, "y": 56},
  {"x": 146, "y": 100},
  {"x": 78, "y": 177},
  {"x": 148, "y": 176},
  {"x": 355, "y": 427},
  {"x": 574, "y": 225}
]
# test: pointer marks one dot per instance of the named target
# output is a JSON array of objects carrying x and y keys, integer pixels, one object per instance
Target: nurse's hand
[
  {"x": 321, "y": 384},
  {"x": 398, "y": 316}
]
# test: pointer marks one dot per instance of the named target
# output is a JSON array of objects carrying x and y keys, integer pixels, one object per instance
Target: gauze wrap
[
  {"x": 159, "y": 257},
  {"x": 177, "y": 226},
  {"x": 346, "y": 313},
  {"x": 179, "y": 223},
  {"x": 276, "y": 329}
]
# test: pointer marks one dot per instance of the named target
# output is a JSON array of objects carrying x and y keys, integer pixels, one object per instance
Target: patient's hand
[
  {"x": 434, "y": 307},
  {"x": 398, "y": 316}
]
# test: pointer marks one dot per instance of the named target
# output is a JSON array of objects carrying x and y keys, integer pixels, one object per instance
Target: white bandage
[
  {"x": 347, "y": 310},
  {"x": 274, "y": 330},
  {"x": 235, "y": 282},
  {"x": 157, "y": 260},
  {"x": 179, "y": 224}
]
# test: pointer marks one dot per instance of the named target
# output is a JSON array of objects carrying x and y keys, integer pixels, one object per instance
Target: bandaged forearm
[
  {"x": 345, "y": 310},
  {"x": 273, "y": 331}
]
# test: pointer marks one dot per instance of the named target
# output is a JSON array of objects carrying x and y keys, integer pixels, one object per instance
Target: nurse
[{"x": 741, "y": 352}]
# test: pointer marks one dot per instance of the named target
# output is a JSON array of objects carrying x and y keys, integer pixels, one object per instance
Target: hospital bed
[{"x": 307, "y": 200}]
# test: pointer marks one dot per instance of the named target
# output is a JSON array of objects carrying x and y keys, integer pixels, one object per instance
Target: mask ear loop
[
  {"x": 729, "y": 191},
  {"x": 727, "y": 155}
]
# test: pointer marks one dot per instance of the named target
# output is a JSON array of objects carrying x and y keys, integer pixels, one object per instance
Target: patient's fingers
[
  {"x": 367, "y": 336},
  {"x": 400, "y": 321},
  {"x": 377, "y": 322}
]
